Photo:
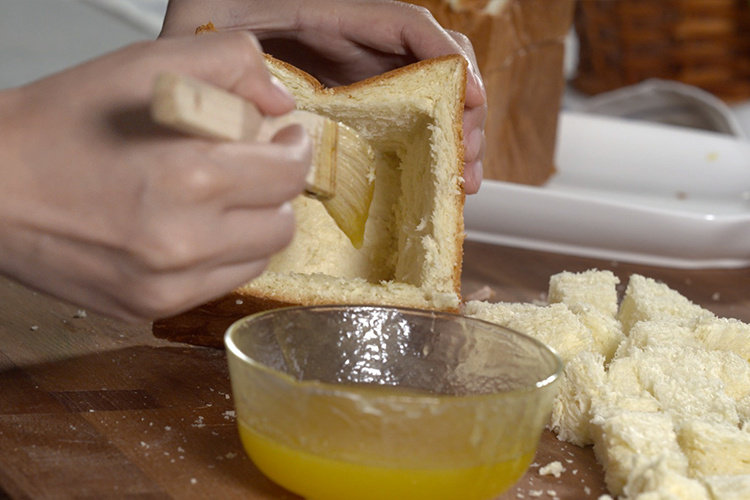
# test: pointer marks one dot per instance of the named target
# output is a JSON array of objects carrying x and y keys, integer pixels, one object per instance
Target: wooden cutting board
[
  {"x": 90, "y": 407},
  {"x": 93, "y": 408}
]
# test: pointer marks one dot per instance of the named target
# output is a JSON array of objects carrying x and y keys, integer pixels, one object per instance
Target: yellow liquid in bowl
[{"x": 321, "y": 478}]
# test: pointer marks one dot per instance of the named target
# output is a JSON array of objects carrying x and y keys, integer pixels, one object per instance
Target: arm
[
  {"x": 101, "y": 208},
  {"x": 342, "y": 41}
]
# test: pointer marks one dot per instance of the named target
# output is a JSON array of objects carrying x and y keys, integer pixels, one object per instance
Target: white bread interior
[
  {"x": 413, "y": 246},
  {"x": 412, "y": 250},
  {"x": 668, "y": 413}
]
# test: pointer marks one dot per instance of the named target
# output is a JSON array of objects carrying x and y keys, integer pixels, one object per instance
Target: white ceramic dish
[{"x": 629, "y": 191}]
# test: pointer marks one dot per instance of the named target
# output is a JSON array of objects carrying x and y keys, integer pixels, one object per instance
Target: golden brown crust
[
  {"x": 318, "y": 87},
  {"x": 313, "y": 82}
]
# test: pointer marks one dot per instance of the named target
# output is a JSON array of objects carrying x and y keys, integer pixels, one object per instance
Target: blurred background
[{"x": 700, "y": 48}]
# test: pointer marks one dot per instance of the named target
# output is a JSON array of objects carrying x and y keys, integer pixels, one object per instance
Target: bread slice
[
  {"x": 647, "y": 299},
  {"x": 592, "y": 296},
  {"x": 555, "y": 325},
  {"x": 413, "y": 246}
]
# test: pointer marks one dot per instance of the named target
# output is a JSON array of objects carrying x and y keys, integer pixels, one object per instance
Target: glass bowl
[{"x": 343, "y": 402}]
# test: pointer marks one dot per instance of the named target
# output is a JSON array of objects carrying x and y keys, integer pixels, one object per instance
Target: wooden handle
[{"x": 197, "y": 108}]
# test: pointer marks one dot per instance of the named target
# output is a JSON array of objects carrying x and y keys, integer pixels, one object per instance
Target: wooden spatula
[{"x": 341, "y": 176}]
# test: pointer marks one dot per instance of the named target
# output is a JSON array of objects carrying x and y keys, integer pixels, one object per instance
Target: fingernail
[
  {"x": 477, "y": 81},
  {"x": 281, "y": 91},
  {"x": 473, "y": 144}
]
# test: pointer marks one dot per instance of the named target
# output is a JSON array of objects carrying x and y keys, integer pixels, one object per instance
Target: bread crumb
[
  {"x": 553, "y": 468},
  {"x": 205, "y": 28},
  {"x": 193, "y": 480},
  {"x": 199, "y": 422},
  {"x": 536, "y": 493},
  {"x": 81, "y": 313},
  {"x": 239, "y": 302},
  {"x": 605, "y": 497},
  {"x": 34, "y": 328}
]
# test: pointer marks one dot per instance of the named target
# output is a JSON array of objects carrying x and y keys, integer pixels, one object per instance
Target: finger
[
  {"x": 243, "y": 235},
  {"x": 474, "y": 138},
  {"x": 218, "y": 282},
  {"x": 413, "y": 30},
  {"x": 473, "y": 173},
  {"x": 265, "y": 174},
  {"x": 474, "y": 146},
  {"x": 204, "y": 239},
  {"x": 231, "y": 60},
  {"x": 166, "y": 295},
  {"x": 476, "y": 94},
  {"x": 225, "y": 175}
]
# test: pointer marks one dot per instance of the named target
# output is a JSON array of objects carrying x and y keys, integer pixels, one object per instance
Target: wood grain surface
[{"x": 93, "y": 408}]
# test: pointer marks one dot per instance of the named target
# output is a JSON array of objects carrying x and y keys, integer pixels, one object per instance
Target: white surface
[
  {"x": 39, "y": 37},
  {"x": 628, "y": 191}
]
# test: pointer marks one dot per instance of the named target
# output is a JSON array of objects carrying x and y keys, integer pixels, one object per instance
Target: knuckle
[
  {"x": 164, "y": 248},
  {"x": 286, "y": 223},
  {"x": 196, "y": 182},
  {"x": 461, "y": 39},
  {"x": 418, "y": 11},
  {"x": 156, "y": 297},
  {"x": 294, "y": 155},
  {"x": 245, "y": 39},
  {"x": 244, "y": 50},
  {"x": 301, "y": 162},
  {"x": 281, "y": 225}
]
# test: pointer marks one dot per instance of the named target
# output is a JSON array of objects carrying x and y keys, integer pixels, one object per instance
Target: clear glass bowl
[{"x": 343, "y": 402}]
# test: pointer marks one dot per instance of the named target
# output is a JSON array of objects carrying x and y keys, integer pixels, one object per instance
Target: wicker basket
[{"x": 705, "y": 43}]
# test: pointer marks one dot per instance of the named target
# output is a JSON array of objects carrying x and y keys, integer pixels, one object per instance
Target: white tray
[{"x": 629, "y": 191}]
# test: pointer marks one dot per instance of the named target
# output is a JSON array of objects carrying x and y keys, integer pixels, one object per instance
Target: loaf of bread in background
[
  {"x": 413, "y": 246},
  {"x": 520, "y": 49}
]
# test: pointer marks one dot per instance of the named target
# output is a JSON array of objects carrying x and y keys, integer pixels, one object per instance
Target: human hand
[
  {"x": 343, "y": 41},
  {"x": 100, "y": 207}
]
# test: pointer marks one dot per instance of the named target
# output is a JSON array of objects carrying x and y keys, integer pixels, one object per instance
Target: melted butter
[{"x": 321, "y": 478}]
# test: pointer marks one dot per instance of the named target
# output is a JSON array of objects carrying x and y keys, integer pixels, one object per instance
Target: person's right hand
[{"x": 102, "y": 208}]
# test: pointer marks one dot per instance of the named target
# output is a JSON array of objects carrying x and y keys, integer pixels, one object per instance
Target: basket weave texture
[{"x": 705, "y": 43}]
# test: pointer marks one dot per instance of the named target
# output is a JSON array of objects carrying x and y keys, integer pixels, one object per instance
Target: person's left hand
[{"x": 343, "y": 41}]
